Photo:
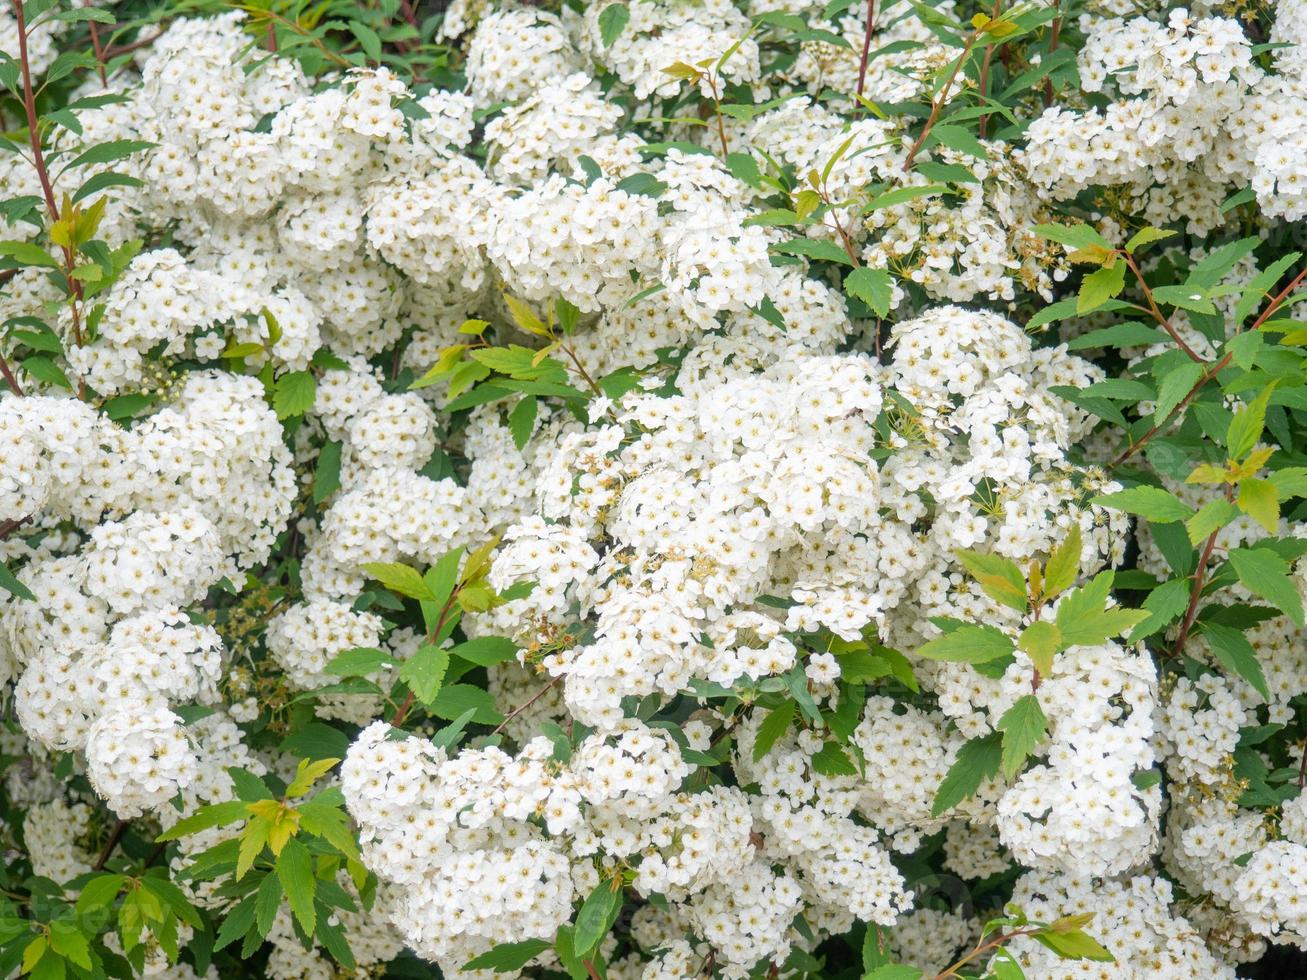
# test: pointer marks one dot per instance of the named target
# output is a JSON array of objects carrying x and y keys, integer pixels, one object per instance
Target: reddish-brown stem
[
  {"x": 1302, "y": 767},
  {"x": 866, "y": 51},
  {"x": 717, "y": 115},
  {"x": 1196, "y": 593},
  {"x": 10, "y": 380},
  {"x": 410, "y": 15},
  {"x": 938, "y": 104},
  {"x": 10, "y": 526},
  {"x": 115, "y": 836},
  {"x": 590, "y": 969},
  {"x": 1156, "y": 310},
  {"x": 980, "y": 949},
  {"x": 43, "y": 174},
  {"x": 1052, "y": 46},
  {"x": 113, "y": 51},
  {"x": 526, "y": 704},
  {"x": 99, "y": 53},
  {"x": 29, "y": 107},
  {"x": 432, "y": 637},
  {"x": 984, "y": 71},
  {"x": 1210, "y": 373}
]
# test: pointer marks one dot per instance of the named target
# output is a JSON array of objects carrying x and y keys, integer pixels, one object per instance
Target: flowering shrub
[{"x": 653, "y": 489}]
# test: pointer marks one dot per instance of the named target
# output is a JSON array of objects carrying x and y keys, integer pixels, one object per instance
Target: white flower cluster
[{"x": 762, "y": 490}]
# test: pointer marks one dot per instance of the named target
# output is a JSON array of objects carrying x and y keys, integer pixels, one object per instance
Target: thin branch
[
  {"x": 1210, "y": 373},
  {"x": 99, "y": 54},
  {"x": 10, "y": 380},
  {"x": 1156, "y": 310},
  {"x": 115, "y": 836},
  {"x": 939, "y": 101},
  {"x": 526, "y": 704},
  {"x": 866, "y": 51}
]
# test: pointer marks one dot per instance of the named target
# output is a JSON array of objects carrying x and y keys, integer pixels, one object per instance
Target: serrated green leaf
[
  {"x": 399, "y": 578},
  {"x": 873, "y": 286},
  {"x": 1023, "y": 726},
  {"x": 999, "y": 577},
  {"x": 1151, "y": 503},
  {"x": 596, "y": 917},
  {"x": 295, "y": 871},
  {"x": 508, "y": 957},
  {"x": 1100, "y": 286},
  {"x": 424, "y": 672},
  {"x": 1261, "y": 501},
  {"x": 1063, "y": 566},
  {"x": 977, "y": 761},
  {"x": 1040, "y": 641},
  {"x": 968, "y": 644},
  {"x": 1236, "y": 654},
  {"x": 1266, "y": 574}
]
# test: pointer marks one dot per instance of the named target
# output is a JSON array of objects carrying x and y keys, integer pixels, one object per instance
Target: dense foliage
[{"x": 653, "y": 489}]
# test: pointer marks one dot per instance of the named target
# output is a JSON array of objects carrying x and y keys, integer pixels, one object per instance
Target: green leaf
[
  {"x": 1083, "y": 618},
  {"x": 596, "y": 917},
  {"x": 1173, "y": 387},
  {"x": 1147, "y": 236},
  {"x": 400, "y": 578},
  {"x": 367, "y": 38},
  {"x": 1074, "y": 945},
  {"x": 486, "y": 651},
  {"x": 1186, "y": 297},
  {"x": 44, "y": 369},
  {"x": 1164, "y": 605},
  {"x": 894, "y": 971},
  {"x": 814, "y": 249},
  {"x": 968, "y": 644},
  {"x": 99, "y": 892},
  {"x": 831, "y": 760},
  {"x": 1232, "y": 649},
  {"x": 1151, "y": 503},
  {"x": 1133, "y": 334},
  {"x": 456, "y": 699},
  {"x": 68, "y": 941},
  {"x": 1023, "y": 726},
  {"x": 521, "y": 420},
  {"x": 901, "y": 195},
  {"x": 266, "y": 902},
  {"x": 10, "y": 583},
  {"x": 308, "y": 772},
  {"x": 957, "y": 138},
  {"x": 1266, "y": 574},
  {"x": 109, "y": 151},
  {"x": 1063, "y": 566},
  {"x": 295, "y": 871},
  {"x": 1041, "y": 641},
  {"x": 509, "y": 957},
  {"x": 776, "y": 724},
  {"x": 424, "y": 672},
  {"x": 26, "y": 253},
  {"x": 1261, "y": 501},
  {"x": 293, "y": 393},
  {"x": 443, "y": 576},
  {"x": 214, "y": 815},
  {"x": 977, "y": 761},
  {"x": 326, "y": 478},
  {"x": 999, "y": 577},
  {"x": 1247, "y": 425},
  {"x": 873, "y": 286},
  {"x": 1079, "y": 237},
  {"x": 359, "y": 662},
  {"x": 1100, "y": 286},
  {"x": 1212, "y": 516}
]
